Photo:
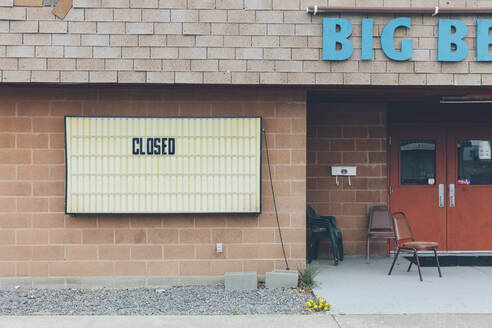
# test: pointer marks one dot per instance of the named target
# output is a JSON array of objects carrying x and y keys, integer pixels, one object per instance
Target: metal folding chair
[
  {"x": 405, "y": 242},
  {"x": 380, "y": 226}
]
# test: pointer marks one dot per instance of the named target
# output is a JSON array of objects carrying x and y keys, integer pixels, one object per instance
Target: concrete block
[
  {"x": 86, "y": 3},
  {"x": 241, "y": 280},
  {"x": 129, "y": 282},
  {"x": 144, "y": 3},
  {"x": 74, "y": 77},
  {"x": 139, "y": 28},
  {"x": 246, "y": 78},
  {"x": 90, "y": 282},
  {"x": 45, "y": 76},
  {"x": 166, "y": 282},
  {"x": 6, "y": 3},
  {"x": 11, "y": 283},
  {"x": 49, "y": 282},
  {"x": 16, "y": 76},
  {"x": 153, "y": 15},
  {"x": 258, "y": 4},
  {"x": 213, "y": 16},
  {"x": 115, "y": 3},
  {"x": 14, "y": 13},
  {"x": 201, "y": 4},
  {"x": 229, "y": 4},
  {"x": 281, "y": 279}
]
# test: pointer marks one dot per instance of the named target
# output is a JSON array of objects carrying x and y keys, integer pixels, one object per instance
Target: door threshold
[{"x": 452, "y": 258}]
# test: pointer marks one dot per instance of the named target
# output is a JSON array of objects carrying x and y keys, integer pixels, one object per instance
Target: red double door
[{"x": 441, "y": 177}]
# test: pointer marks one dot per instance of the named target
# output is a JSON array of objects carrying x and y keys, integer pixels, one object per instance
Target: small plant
[
  {"x": 306, "y": 277},
  {"x": 318, "y": 304}
]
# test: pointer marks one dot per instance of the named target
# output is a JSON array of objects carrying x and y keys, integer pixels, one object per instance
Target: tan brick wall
[
  {"x": 347, "y": 134},
  {"x": 38, "y": 239},
  {"x": 220, "y": 42}
]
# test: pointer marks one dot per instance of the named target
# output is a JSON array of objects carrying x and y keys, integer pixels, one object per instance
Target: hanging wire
[{"x": 274, "y": 200}]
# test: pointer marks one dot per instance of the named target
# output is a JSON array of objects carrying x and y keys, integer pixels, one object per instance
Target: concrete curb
[
  {"x": 112, "y": 282},
  {"x": 257, "y": 321},
  {"x": 108, "y": 282}
]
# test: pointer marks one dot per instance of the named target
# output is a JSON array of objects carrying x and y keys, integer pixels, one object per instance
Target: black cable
[{"x": 274, "y": 201}]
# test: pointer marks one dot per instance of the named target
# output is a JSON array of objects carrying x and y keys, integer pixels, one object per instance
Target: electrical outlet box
[
  {"x": 219, "y": 247},
  {"x": 344, "y": 171}
]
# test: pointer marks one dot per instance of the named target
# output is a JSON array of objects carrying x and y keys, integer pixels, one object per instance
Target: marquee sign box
[{"x": 163, "y": 165}]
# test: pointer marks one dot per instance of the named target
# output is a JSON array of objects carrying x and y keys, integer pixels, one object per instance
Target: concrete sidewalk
[
  {"x": 266, "y": 321},
  {"x": 356, "y": 287}
]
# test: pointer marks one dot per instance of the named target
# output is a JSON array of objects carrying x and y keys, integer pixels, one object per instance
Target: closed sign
[{"x": 163, "y": 165}]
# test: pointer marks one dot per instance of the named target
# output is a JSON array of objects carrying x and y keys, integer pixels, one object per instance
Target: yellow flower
[
  {"x": 315, "y": 306},
  {"x": 326, "y": 309}
]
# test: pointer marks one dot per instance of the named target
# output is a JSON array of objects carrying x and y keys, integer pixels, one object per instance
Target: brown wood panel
[
  {"x": 62, "y": 8},
  {"x": 28, "y": 3}
]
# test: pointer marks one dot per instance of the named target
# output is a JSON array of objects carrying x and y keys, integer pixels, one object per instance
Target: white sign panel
[{"x": 163, "y": 165}]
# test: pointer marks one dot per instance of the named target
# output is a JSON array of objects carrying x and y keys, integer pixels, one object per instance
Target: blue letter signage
[
  {"x": 387, "y": 37},
  {"x": 451, "y": 46},
  {"x": 483, "y": 39},
  {"x": 336, "y": 31},
  {"x": 446, "y": 40},
  {"x": 366, "y": 45}
]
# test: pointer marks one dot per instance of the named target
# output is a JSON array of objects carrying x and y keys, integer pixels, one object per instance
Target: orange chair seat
[{"x": 420, "y": 245}]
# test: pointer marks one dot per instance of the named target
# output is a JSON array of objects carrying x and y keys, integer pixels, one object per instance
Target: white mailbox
[{"x": 343, "y": 171}]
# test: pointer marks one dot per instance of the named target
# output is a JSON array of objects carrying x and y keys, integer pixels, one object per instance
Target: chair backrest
[
  {"x": 379, "y": 219},
  {"x": 402, "y": 227},
  {"x": 313, "y": 218}
]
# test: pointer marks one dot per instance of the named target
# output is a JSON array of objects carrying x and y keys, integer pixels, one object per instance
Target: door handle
[
  {"x": 451, "y": 195},
  {"x": 441, "y": 195}
]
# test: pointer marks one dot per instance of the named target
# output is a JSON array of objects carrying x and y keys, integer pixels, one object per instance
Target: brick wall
[
  {"x": 38, "y": 239},
  {"x": 220, "y": 42},
  {"x": 347, "y": 134}
]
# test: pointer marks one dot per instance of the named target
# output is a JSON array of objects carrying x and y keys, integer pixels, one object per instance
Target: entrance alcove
[{"x": 355, "y": 126}]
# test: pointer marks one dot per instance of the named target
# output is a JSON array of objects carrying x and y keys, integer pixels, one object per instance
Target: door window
[
  {"x": 418, "y": 162},
  {"x": 474, "y": 162}
]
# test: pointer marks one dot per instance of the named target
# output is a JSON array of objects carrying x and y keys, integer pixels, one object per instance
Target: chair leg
[
  {"x": 437, "y": 262},
  {"x": 310, "y": 251},
  {"x": 340, "y": 247},
  {"x": 394, "y": 261},
  {"x": 367, "y": 249},
  {"x": 418, "y": 264},
  {"x": 410, "y": 266},
  {"x": 334, "y": 245},
  {"x": 316, "y": 249}
]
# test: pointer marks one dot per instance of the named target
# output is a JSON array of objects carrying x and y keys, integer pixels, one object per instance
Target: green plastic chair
[{"x": 323, "y": 227}]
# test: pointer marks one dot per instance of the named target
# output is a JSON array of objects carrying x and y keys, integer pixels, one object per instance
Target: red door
[
  {"x": 417, "y": 174},
  {"x": 442, "y": 179},
  {"x": 469, "y": 173}
]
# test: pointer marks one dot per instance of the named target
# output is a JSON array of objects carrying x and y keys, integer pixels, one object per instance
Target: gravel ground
[{"x": 187, "y": 300}]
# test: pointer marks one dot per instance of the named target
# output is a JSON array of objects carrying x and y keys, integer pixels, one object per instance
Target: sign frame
[{"x": 261, "y": 134}]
